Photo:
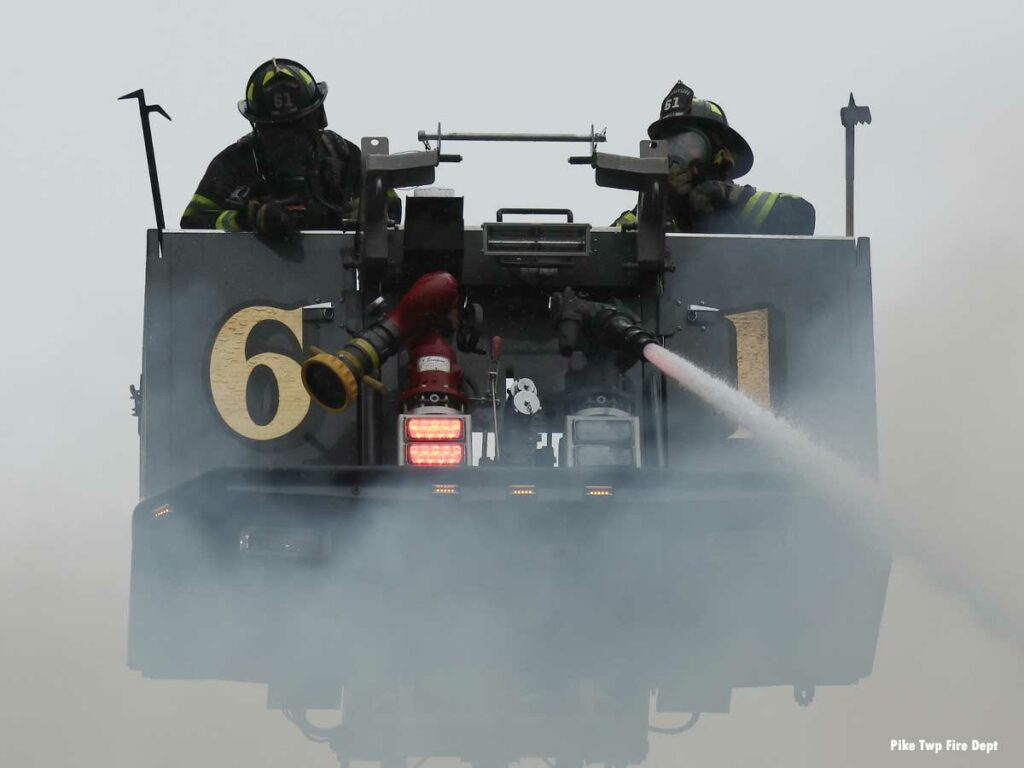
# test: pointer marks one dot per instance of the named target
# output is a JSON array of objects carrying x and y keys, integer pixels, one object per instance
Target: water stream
[{"x": 858, "y": 497}]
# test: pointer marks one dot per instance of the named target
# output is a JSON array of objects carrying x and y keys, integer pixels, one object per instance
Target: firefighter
[
  {"x": 706, "y": 156},
  {"x": 290, "y": 172}
]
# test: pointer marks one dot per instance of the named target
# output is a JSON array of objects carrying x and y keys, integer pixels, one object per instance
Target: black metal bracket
[
  {"x": 136, "y": 395},
  {"x": 645, "y": 174},
  {"x": 383, "y": 171},
  {"x": 651, "y": 252}
]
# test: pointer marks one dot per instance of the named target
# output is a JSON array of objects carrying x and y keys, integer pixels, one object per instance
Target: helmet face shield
[{"x": 688, "y": 147}]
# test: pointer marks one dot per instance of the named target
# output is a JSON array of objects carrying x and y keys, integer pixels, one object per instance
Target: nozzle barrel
[
  {"x": 612, "y": 326},
  {"x": 621, "y": 331}
]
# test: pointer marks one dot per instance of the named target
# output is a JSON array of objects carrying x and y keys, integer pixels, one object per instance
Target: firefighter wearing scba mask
[
  {"x": 706, "y": 156},
  {"x": 290, "y": 172}
]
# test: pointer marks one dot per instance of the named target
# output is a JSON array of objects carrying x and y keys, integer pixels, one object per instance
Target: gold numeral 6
[{"x": 230, "y": 370}]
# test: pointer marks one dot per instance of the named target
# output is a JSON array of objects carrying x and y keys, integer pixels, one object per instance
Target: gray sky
[{"x": 937, "y": 177}]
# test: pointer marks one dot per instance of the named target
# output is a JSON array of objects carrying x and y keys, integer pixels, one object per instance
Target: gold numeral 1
[{"x": 753, "y": 365}]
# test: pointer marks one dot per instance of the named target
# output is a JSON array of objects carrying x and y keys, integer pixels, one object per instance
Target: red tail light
[
  {"x": 433, "y": 428},
  {"x": 435, "y": 454}
]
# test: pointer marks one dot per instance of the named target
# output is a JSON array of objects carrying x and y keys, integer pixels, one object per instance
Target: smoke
[{"x": 937, "y": 190}]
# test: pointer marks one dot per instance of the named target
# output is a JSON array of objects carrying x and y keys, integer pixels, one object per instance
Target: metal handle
[
  {"x": 593, "y": 137},
  {"x": 581, "y": 160},
  {"x": 543, "y": 211},
  {"x": 701, "y": 314}
]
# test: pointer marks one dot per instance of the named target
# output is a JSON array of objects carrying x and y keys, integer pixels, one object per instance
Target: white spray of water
[{"x": 859, "y": 497}]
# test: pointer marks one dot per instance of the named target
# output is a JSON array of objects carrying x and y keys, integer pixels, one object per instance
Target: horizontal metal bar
[{"x": 555, "y": 137}]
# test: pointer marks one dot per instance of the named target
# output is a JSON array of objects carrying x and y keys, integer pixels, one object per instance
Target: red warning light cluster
[
  {"x": 435, "y": 441},
  {"x": 435, "y": 454},
  {"x": 434, "y": 428}
]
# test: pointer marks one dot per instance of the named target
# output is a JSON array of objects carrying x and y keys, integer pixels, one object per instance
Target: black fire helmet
[
  {"x": 281, "y": 91},
  {"x": 679, "y": 111}
]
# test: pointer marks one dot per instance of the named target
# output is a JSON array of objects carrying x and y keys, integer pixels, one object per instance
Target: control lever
[{"x": 493, "y": 379}]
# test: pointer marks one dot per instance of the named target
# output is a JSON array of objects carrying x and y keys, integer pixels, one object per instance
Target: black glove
[{"x": 269, "y": 219}]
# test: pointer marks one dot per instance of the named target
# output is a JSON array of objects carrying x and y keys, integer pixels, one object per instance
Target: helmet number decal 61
[
  {"x": 283, "y": 100},
  {"x": 230, "y": 371}
]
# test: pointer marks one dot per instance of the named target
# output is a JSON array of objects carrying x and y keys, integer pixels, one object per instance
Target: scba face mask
[
  {"x": 689, "y": 148},
  {"x": 287, "y": 152},
  {"x": 696, "y": 151}
]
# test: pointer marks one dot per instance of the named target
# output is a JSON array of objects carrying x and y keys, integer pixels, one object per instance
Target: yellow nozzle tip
[{"x": 329, "y": 382}]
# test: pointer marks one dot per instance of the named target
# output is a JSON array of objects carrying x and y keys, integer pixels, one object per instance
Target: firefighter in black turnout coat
[
  {"x": 706, "y": 156},
  {"x": 290, "y": 172}
]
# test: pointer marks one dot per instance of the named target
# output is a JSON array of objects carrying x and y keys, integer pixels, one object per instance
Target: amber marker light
[
  {"x": 445, "y": 489},
  {"x": 598, "y": 491},
  {"x": 164, "y": 509},
  {"x": 435, "y": 454},
  {"x": 423, "y": 428},
  {"x": 522, "y": 490}
]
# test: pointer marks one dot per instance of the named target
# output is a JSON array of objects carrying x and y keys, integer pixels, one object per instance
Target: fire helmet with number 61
[
  {"x": 681, "y": 113},
  {"x": 282, "y": 91}
]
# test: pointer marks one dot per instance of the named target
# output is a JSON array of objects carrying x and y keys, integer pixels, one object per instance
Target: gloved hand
[
  {"x": 703, "y": 195},
  {"x": 269, "y": 219}
]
